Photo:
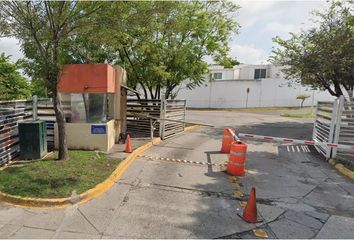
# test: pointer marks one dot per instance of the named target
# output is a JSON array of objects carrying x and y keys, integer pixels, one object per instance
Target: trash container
[{"x": 33, "y": 139}]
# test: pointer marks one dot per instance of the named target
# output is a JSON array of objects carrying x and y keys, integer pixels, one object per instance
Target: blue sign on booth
[{"x": 98, "y": 129}]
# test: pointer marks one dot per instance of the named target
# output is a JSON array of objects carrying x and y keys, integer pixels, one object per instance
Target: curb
[
  {"x": 18, "y": 201},
  {"x": 99, "y": 189},
  {"x": 190, "y": 128},
  {"x": 342, "y": 169}
]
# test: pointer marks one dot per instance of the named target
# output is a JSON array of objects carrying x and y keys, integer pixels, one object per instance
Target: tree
[
  {"x": 228, "y": 62},
  {"x": 12, "y": 84},
  {"x": 42, "y": 28},
  {"x": 302, "y": 97},
  {"x": 162, "y": 44},
  {"x": 323, "y": 55}
]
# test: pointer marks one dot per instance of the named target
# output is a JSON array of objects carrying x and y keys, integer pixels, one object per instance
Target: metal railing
[
  {"x": 11, "y": 113},
  {"x": 334, "y": 123},
  {"x": 344, "y": 132},
  {"x": 324, "y": 125},
  {"x": 14, "y": 111}
]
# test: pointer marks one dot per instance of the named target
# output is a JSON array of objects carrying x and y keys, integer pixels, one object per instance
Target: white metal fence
[
  {"x": 13, "y": 112},
  {"x": 164, "y": 117},
  {"x": 334, "y": 123},
  {"x": 344, "y": 131}
]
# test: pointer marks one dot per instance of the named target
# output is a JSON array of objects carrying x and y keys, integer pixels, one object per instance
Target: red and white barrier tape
[{"x": 297, "y": 141}]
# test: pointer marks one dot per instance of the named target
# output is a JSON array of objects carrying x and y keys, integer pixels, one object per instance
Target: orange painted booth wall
[{"x": 90, "y": 78}]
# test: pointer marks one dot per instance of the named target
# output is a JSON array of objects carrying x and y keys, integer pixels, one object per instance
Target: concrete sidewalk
[{"x": 299, "y": 195}]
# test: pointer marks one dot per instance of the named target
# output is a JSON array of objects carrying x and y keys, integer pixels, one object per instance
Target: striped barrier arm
[{"x": 235, "y": 137}]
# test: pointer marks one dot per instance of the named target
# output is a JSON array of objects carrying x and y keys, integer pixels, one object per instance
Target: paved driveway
[{"x": 299, "y": 195}]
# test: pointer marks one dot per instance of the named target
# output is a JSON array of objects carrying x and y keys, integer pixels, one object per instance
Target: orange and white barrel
[
  {"x": 237, "y": 159},
  {"x": 227, "y": 139}
]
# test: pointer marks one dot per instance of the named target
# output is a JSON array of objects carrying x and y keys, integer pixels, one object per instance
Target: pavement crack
[
  {"x": 195, "y": 191},
  {"x": 321, "y": 228},
  {"x": 98, "y": 231},
  {"x": 274, "y": 220},
  {"x": 309, "y": 192},
  {"x": 300, "y": 223},
  {"x": 12, "y": 234},
  {"x": 40, "y": 228},
  {"x": 318, "y": 219}
]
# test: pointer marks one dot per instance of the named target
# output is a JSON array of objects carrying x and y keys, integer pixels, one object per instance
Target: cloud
[
  {"x": 248, "y": 54},
  {"x": 280, "y": 28},
  {"x": 252, "y": 11},
  {"x": 10, "y": 46}
]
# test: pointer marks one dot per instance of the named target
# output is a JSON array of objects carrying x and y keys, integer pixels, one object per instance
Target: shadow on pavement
[{"x": 297, "y": 190}]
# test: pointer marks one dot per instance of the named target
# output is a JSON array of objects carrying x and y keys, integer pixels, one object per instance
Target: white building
[{"x": 248, "y": 86}]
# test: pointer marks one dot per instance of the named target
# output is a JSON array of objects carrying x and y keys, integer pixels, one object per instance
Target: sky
[{"x": 260, "y": 21}]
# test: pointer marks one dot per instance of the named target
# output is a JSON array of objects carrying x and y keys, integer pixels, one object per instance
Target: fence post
[
  {"x": 332, "y": 127},
  {"x": 184, "y": 117},
  {"x": 338, "y": 119},
  {"x": 162, "y": 117},
  {"x": 35, "y": 107},
  {"x": 315, "y": 123},
  {"x": 151, "y": 129}
]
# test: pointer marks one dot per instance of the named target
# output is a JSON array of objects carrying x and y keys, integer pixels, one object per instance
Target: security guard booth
[{"x": 95, "y": 98}]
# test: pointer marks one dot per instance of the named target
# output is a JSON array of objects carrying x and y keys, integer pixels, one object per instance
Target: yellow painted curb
[
  {"x": 18, "y": 201},
  {"x": 260, "y": 233},
  {"x": 345, "y": 171},
  {"x": 189, "y": 128},
  {"x": 332, "y": 161}
]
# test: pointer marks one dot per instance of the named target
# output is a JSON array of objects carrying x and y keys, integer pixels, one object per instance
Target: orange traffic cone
[
  {"x": 128, "y": 145},
  {"x": 250, "y": 212}
]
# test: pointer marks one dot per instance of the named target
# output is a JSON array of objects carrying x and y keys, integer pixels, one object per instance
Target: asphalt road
[{"x": 298, "y": 194}]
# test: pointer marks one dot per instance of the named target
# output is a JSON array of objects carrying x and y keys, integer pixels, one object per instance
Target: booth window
[{"x": 86, "y": 107}]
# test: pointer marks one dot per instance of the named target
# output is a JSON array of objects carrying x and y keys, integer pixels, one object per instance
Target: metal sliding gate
[
  {"x": 323, "y": 128},
  {"x": 138, "y": 125},
  {"x": 164, "y": 117},
  {"x": 334, "y": 123}
]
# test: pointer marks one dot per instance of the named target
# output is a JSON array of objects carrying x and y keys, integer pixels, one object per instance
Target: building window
[
  {"x": 217, "y": 76},
  {"x": 259, "y": 73}
]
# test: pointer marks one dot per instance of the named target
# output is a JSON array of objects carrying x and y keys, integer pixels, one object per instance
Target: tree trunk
[{"x": 60, "y": 118}]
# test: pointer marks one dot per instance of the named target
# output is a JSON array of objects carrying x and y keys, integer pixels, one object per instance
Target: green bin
[{"x": 33, "y": 139}]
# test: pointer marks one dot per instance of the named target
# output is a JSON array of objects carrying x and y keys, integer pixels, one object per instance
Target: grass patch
[
  {"x": 298, "y": 115},
  {"x": 50, "y": 178}
]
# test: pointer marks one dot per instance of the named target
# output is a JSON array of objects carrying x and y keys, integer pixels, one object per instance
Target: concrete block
[
  {"x": 72, "y": 235},
  {"x": 34, "y": 233},
  {"x": 8, "y": 229},
  {"x": 285, "y": 228},
  {"x": 337, "y": 227},
  {"x": 302, "y": 218},
  {"x": 155, "y": 213},
  {"x": 100, "y": 211}
]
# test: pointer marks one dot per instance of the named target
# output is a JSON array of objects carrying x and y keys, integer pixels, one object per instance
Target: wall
[
  {"x": 269, "y": 92},
  {"x": 79, "y": 136}
]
